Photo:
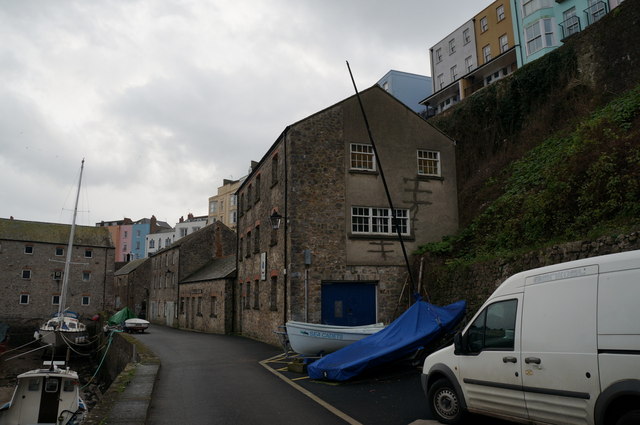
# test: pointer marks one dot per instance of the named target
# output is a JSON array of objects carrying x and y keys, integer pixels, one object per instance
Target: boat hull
[
  {"x": 313, "y": 339},
  {"x": 62, "y": 339},
  {"x": 136, "y": 325},
  {"x": 60, "y": 332}
]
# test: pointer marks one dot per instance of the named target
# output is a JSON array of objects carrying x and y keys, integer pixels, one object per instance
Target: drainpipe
[{"x": 286, "y": 221}]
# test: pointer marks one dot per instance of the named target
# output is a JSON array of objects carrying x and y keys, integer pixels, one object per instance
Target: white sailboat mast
[{"x": 65, "y": 280}]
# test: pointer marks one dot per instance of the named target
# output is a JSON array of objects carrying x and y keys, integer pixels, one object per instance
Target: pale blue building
[
  {"x": 140, "y": 230},
  {"x": 542, "y": 25},
  {"x": 408, "y": 88}
]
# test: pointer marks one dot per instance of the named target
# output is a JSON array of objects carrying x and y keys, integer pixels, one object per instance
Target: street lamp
[{"x": 275, "y": 220}]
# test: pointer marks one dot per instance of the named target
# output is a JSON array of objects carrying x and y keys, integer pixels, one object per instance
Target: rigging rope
[{"x": 103, "y": 357}]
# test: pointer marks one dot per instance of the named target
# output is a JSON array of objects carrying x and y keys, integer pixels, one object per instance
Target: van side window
[{"x": 494, "y": 328}]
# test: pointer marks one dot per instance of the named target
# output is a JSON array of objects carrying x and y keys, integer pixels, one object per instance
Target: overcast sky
[{"x": 166, "y": 98}]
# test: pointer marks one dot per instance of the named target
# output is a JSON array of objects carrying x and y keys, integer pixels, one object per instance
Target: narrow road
[{"x": 217, "y": 379}]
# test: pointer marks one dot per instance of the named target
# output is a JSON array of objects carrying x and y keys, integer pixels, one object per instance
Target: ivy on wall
[{"x": 571, "y": 185}]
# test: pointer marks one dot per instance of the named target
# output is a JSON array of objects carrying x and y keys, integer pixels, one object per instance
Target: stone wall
[
  {"x": 448, "y": 283},
  {"x": 46, "y": 279},
  {"x": 214, "y": 300}
]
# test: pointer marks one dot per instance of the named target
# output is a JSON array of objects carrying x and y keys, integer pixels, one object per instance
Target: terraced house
[{"x": 32, "y": 256}]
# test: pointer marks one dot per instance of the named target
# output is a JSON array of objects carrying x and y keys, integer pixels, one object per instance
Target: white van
[{"x": 554, "y": 345}]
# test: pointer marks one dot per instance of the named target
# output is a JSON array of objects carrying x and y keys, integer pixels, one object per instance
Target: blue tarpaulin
[{"x": 415, "y": 328}]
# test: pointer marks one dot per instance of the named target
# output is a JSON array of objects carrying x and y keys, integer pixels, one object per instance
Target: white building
[{"x": 160, "y": 240}]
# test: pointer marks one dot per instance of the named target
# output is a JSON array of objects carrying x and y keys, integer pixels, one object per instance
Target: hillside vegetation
[
  {"x": 584, "y": 183},
  {"x": 551, "y": 153}
]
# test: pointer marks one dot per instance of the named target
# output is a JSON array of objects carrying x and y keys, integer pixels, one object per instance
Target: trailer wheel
[{"x": 445, "y": 402}]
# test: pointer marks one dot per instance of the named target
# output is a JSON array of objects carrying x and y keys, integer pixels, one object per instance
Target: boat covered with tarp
[
  {"x": 420, "y": 325},
  {"x": 121, "y": 316}
]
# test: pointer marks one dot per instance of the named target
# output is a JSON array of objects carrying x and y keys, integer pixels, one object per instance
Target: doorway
[{"x": 349, "y": 304}]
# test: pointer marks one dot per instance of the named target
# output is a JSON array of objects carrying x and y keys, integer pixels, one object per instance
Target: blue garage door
[{"x": 348, "y": 304}]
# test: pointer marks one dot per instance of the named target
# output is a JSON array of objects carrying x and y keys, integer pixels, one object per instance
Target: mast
[{"x": 65, "y": 279}]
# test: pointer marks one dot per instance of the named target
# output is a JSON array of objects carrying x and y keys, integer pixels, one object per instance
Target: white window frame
[
  {"x": 440, "y": 81},
  {"x": 26, "y": 274},
  {"x": 504, "y": 43},
  {"x": 61, "y": 250},
  {"x": 362, "y": 157},
  {"x": 468, "y": 63},
  {"x": 438, "y": 55},
  {"x": 596, "y": 10},
  {"x": 378, "y": 221},
  {"x": 28, "y": 249},
  {"x": 428, "y": 163},
  {"x": 539, "y": 35},
  {"x": 484, "y": 24},
  {"x": 86, "y": 298},
  {"x": 530, "y": 6},
  {"x": 500, "y": 12},
  {"x": 486, "y": 53},
  {"x": 86, "y": 276},
  {"x": 454, "y": 72},
  {"x": 466, "y": 36},
  {"x": 452, "y": 46},
  {"x": 27, "y": 300},
  {"x": 571, "y": 21},
  {"x": 55, "y": 301}
]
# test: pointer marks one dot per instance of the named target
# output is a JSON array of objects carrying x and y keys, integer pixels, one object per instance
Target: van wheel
[
  {"x": 631, "y": 417},
  {"x": 445, "y": 402}
]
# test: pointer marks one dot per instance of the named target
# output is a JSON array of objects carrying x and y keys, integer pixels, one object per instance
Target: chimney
[{"x": 217, "y": 242}]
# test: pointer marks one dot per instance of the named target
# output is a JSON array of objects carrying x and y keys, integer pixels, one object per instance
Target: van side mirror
[{"x": 459, "y": 343}]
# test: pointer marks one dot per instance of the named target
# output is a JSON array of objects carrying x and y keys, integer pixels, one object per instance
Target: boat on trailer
[
  {"x": 313, "y": 339},
  {"x": 50, "y": 395}
]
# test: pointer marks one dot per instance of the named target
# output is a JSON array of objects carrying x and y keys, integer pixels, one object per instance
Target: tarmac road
[
  {"x": 218, "y": 379},
  {"x": 215, "y": 379}
]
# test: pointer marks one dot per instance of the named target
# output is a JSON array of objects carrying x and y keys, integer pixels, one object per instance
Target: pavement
[{"x": 128, "y": 398}]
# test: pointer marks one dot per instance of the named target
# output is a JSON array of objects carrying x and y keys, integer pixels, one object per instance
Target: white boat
[
  {"x": 60, "y": 331},
  {"x": 136, "y": 325},
  {"x": 65, "y": 328},
  {"x": 49, "y": 395},
  {"x": 312, "y": 339}
]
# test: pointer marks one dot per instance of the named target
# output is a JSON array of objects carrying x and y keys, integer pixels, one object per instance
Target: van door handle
[
  {"x": 509, "y": 359},
  {"x": 533, "y": 360}
]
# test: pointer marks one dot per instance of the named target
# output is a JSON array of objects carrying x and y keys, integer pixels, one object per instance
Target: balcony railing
[
  {"x": 570, "y": 26},
  {"x": 596, "y": 11}
]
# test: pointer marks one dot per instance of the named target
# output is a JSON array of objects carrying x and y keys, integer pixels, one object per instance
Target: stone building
[
  {"x": 32, "y": 257},
  {"x": 335, "y": 257},
  {"x": 131, "y": 286},
  {"x": 180, "y": 261},
  {"x": 206, "y": 297}
]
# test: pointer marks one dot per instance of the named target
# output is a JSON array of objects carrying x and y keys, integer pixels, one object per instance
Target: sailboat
[{"x": 64, "y": 328}]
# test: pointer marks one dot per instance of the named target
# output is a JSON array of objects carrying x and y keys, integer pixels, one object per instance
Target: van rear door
[{"x": 559, "y": 345}]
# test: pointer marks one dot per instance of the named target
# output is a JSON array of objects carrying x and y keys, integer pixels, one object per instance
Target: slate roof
[
  {"x": 218, "y": 268},
  {"x": 130, "y": 266},
  {"x": 34, "y": 231}
]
